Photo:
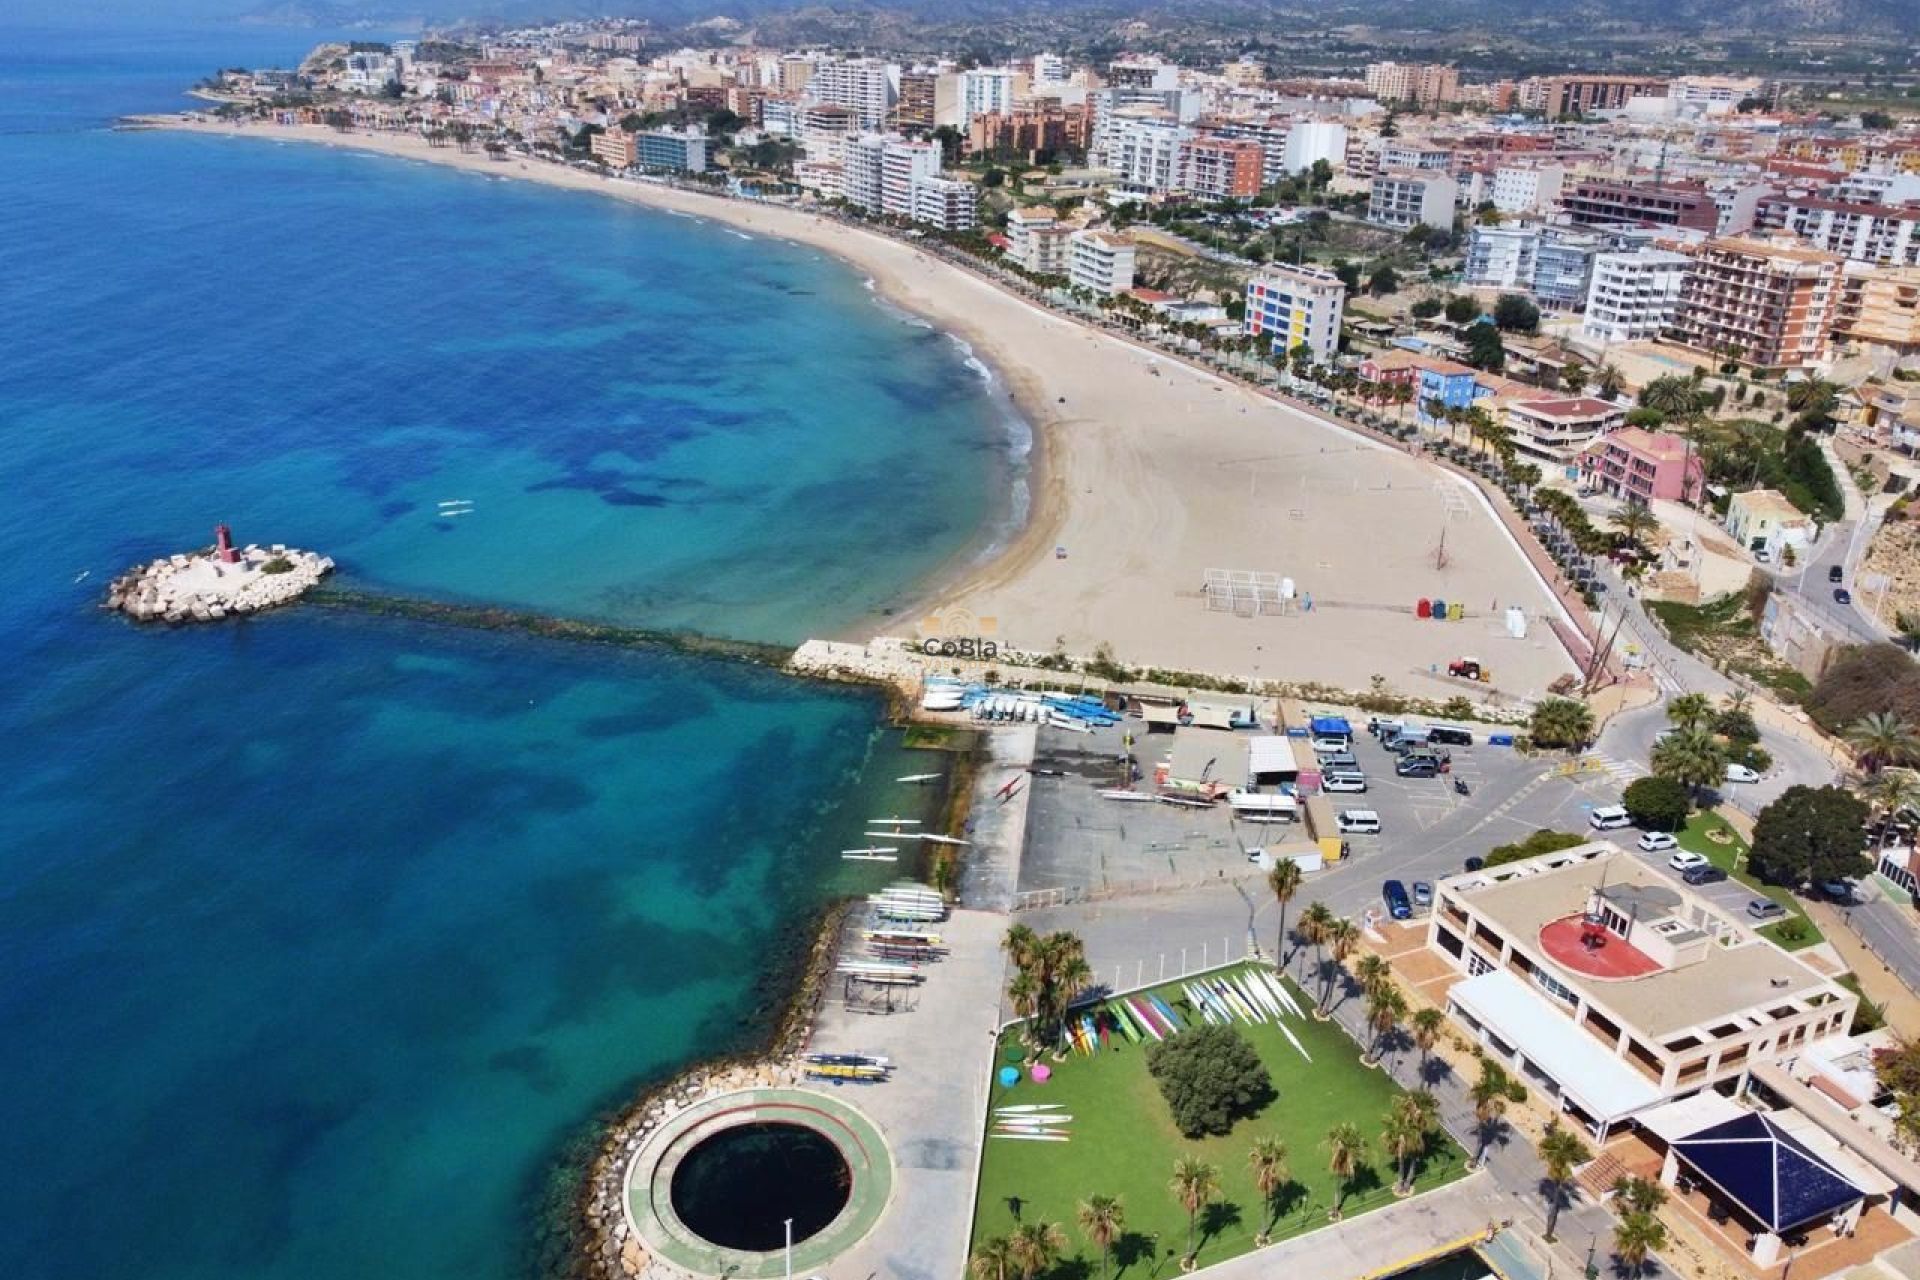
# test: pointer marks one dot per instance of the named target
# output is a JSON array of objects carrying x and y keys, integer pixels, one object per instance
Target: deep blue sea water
[{"x": 319, "y": 935}]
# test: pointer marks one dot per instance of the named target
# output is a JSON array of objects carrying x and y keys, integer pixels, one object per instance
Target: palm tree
[
  {"x": 1562, "y": 1152},
  {"x": 1315, "y": 922},
  {"x": 1574, "y": 378},
  {"x": 1372, "y": 972},
  {"x": 1881, "y": 738},
  {"x": 1409, "y": 1133},
  {"x": 1284, "y": 880},
  {"x": 994, "y": 1260},
  {"x": 1036, "y": 1246},
  {"x": 1562, "y": 722},
  {"x": 1636, "y": 1238},
  {"x": 1268, "y": 1160},
  {"x": 1490, "y": 1094},
  {"x": 1674, "y": 396},
  {"x": 1634, "y": 522},
  {"x": 1195, "y": 1183},
  {"x": 1342, "y": 937},
  {"x": 1689, "y": 710},
  {"x": 1019, "y": 944},
  {"x": 1023, "y": 993},
  {"x": 1815, "y": 397},
  {"x": 1692, "y": 757},
  {"x": 1607, "y": 381},
  {"x": 1385, "y": 1008},
  {"x": 1892, "y": 790},
  {"x": 1427, "y": 1024},
  {"x": 1344, "y": 1147},
  {"x": 1102, "y": 1219}
]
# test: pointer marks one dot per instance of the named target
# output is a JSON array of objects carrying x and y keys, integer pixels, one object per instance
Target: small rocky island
[{"x": 217, "y": 582}]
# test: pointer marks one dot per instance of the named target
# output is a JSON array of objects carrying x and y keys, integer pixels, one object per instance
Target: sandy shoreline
[{"x": 1148, "y": 473}]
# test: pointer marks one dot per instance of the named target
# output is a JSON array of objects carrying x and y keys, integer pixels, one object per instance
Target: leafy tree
[
  {"x": 1349, "y": 273},
  {"x": 1516, "y": 313},
  {"x": 1384, "y": 280},
  {"x": 1268, "y": 1161},
  {"x": 1345, "y": 1149},
  {"x": 1195, "y": 1183},
  {"x": 1210, "y": 1077},
  {"x": 1809, "y": 834},
  {"x": 1484, "y": 348},
  {"x": 1426, "y": 308},
  {"x": 1103, "y": 1220},
  {"x": 1876, "y": 120},
  {"x": 1462, "y": 308},
  {"x": 1284, "y": 880},
  {"x": 1561, "y": 1151},
  {"x": 1657, "y": 804},
  {"x": 1532, "y": 847},
  {"x": 1899, "y": 1074},
  {"x": 1561, "y": 722},
  {"x": 1321, "y": 174},
  {"x": 993, "y": 178}
]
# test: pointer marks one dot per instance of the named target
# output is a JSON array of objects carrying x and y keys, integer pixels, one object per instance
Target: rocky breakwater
[{"x": 208, "y": 585}]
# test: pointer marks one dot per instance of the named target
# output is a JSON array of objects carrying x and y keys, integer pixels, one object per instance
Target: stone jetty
[{"x": 218, "y": 582}]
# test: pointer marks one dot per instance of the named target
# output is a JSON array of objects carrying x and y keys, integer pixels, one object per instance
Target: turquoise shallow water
[{"x": 321, "y": 935}]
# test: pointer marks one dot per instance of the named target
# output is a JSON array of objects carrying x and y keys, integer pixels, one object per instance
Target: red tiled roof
[{"x": 1579, "y": 407}]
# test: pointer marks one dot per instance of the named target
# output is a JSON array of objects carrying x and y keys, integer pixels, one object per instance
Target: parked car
[
  {"x": 1330, "y": 746},
  {"x": 1658, "y": 842},
  {"x": 1687, "y": 860},
  {"x": 1339, "y": 760},
  {"x": 1740, "y": 773},
  {"x": 1344, "y": 782},
  {"x": 1422, "y": 768},
  {"x": 1836, "y": 573},
  {"x": 1476, "y": 864},
  {"x": 1836, "y": 890},
  {"x": 1842, "y": 596},
  {"x": 1704, "y": 875},
  {"x": 1449, "y": 736},
  {"x": 1399, "y": 906},
  {"x": 1357, "y": 822},
  {"x": 1765, "y": 909},
  {"x": 1609, "y": 817},
  {"x": 1422, "y": 894}
]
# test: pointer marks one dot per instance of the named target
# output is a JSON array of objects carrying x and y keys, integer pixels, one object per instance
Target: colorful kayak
[{"x": 1166, "y": 1011}]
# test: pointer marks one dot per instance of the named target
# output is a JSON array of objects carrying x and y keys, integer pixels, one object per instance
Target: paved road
[
  {"x": 1628, "y": 739},
  {"x": 1890, "y": 932}
]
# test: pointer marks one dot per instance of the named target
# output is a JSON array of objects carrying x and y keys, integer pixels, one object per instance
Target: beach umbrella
[{"x": 1010, "y": 1076}]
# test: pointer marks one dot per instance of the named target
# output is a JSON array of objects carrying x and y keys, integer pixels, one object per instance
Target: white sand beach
[{"x": 1148, "y": 473}]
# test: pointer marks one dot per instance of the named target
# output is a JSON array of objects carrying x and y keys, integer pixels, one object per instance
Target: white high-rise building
[
  {"x": 987, "y": 90},
  {"x": 866, "y": 85},
  {"x": 1292, "y": 305},
  {"x": 947, "y": 204},
  {"x": 1100, "y": 261},
  {"x": 1526, "y": 188},
  {"x": 1311, "y": 140},
  {"x": 1408, "y": 197},
  {"x": 902, "y": 164},
  {"x": 1501, "y": 257},
  {"x": 1633, "y": 295},
  {"x": 863, "y": 165},
  {"x": 1049, "y": 69},
  {"x": 1145, "y": 147}
]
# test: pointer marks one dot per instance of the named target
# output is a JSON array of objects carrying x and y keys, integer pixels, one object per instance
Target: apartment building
[
  {"x": 1426, "y": 85},
  {"x": 1101, "y": 261},
  {"x": 1765, "y": 520},
  {"x": 1269, "y": 132},
  {"x": 1035, "y": 125},
  {"x": 1145, "y": 146},
  {"x": 1525, "y": 188},
  {"x": 1553, "y": 264},
  {"x": 824, "y": 130},
  {"x": 946, "y": 204},
  {"x": 863, "y": 85},
  {"x": 1612, "y": 988},
  {"x": 1643, "y": 466},
  {"x": 1765, "y": 303},
  {"x": 1406, "y": 198},
  {"x": 1501, "y": 256},
  {"x": 1223, "y": 168},
  {"x": 675, "y": 150},
  {"x": 989, "y": 89},
  {"x": 1879, "y": 306},
  {"x": 615, "y": 147},
  {"x": 1398, "y": 154},
  {"x": 1884, "y": 234},
  {"x": 1581, "y": 95},
  {"x": 1312, "y": 140},
  {"x": 903, "y": 162},
  {"x": 1292, "y": 305},
  {"x": 1631, "y": 296},
  {"x": 1556, "y": 429},
  {"x": 1594, "y": 203},
  {"x": 928, "y": 99},
  {"x": 1037, "y": 242}
]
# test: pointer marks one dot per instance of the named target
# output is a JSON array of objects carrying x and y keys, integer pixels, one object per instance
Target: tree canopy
[
  {"x": 1516, "y": 313},
  {"x": 1484, "y": 348},
  {"x": 1862, "y": 681},
  {"x": 1461, "y": 308},
  {"x": 1532, "y": 847},
  {"x": 1210, "y": 1077},
  {"x": 1809, "y": 834},
  {"x": 1657, "y": 804}
]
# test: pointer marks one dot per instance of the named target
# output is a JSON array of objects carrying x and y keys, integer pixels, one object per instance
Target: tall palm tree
[
  {"x": 1637, "y": 1237},
  {"x": 1023, "y": 993},
  {"x": 1634, "y": 521},
  {"x": 1490, "y": 1094},
  {"x": 1344, "y": 1147},
  {"x": 1689, "y": 710},
  {"x": 994, "y": 1260},
  {"x": 1373, "y": 971},
  {"x": 1036, "y": 1246},
  {"x": 1427, "y": 1024},
  {"x": 1342, "y": 937},
  {"x": 1574, "y": 378},
  {"x": 1692, "y": 757},
  {"x": 1561, "y": 1151},
  {"x": 1737, "y": 702},
  {"x": 1018, "y": 943},
  {"x": 1195, "y": 1184},
  {"x": 1814, "y": 396},
  {"x": 1409, "y": 1134},
  {"x": 1385, "y": 1008},
  {"x": 1268, "y": 1160},
  {"x": 1674, "y": 396},
  {"x": 1562, "y": 722},
  {"x": 1881, "y": 738},
  {"x": 1102, "y": 1219},
  {"x": 1607, "y": 381},
  {"x": 1284, "y": 880},
  {"x": 1890, "y": 791},
  {"x": 1315, "y": 921}
]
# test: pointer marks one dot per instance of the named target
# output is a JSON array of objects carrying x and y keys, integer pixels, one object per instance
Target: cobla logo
[{"x": 959, "y": 635}]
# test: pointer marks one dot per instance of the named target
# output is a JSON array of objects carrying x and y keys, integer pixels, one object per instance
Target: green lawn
[
  {"x": 1124, "y": 1144},
  {"x": 1730, "y": 856}
]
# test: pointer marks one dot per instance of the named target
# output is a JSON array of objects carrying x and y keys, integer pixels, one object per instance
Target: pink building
[{"x": 1639, "y": 464}]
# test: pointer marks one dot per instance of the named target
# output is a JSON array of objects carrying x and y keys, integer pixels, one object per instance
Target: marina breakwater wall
[
  {"x": 581, "y": 1230},
  {"x": 215, "y": 583}
]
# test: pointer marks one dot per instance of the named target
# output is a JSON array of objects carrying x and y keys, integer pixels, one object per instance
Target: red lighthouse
[{"x": 223, "y": 544}]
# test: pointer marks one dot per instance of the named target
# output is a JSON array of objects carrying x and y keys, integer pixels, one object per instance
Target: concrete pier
[{"x": 216, "y": 583}]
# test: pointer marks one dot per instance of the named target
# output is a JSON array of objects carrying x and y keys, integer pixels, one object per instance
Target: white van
[
  {"x": 1609, "y": 817},
  {"x": 1348, "y": 781},
  {"x": 1358, "y": 822}
]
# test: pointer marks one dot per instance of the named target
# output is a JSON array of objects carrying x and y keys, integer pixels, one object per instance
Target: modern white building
[
  {"x": 1311, "y": 140},
  {"x": 1406, "y": 198},
  {"x": 985, "y": 90},
  {"x": 903, "y": 163},
  {"x": 1632, "y": 296},
  {"x": 1526, "y": 188},
  {"x": 864, "y": 84},
  {"x": 1292, "y": 305},
  {"x": 1101, "y": 261},
  {"x": 1145, "y": 145},
  {"x": 1037, "y": 242},
  {"x": 947, "y": 204},
  {"x": 863, "y": 165},
  {"x": 1050, "y": 69},
  {"x": 1502, "y": 256}
]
